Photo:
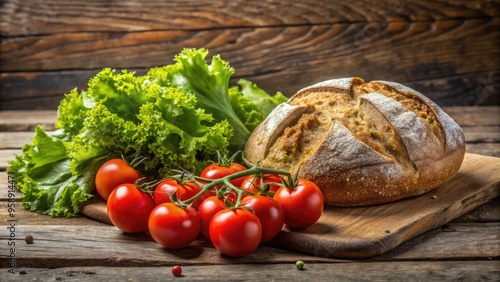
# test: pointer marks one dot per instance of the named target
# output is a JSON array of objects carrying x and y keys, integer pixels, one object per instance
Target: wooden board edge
[{"x": 361, "y": 248}]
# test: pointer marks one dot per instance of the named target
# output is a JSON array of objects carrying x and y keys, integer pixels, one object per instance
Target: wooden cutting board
[{"x": 364, "y": 232}]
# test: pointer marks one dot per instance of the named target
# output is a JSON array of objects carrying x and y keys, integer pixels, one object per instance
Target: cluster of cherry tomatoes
[{"x": 235, "y": 207}]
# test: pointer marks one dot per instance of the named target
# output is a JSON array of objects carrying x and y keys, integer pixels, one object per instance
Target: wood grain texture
[
  {"x": 392, "y": 46},
  {"x": 15, "y": 140},
  {"x": 489, "y": 212},
  {"x": 454, "y": 233},
  {"x": 491, "y": 149},
  {"x": 107, "y": 246},
  {"x": 27, "y": 120},
  {"x": 371, "y": 271},
  {"x": 49, "y": 48},
  {"x": 43, "y": 17},
  {"x": 6, "y": 156},
  {"x": 474, "y": 116}
]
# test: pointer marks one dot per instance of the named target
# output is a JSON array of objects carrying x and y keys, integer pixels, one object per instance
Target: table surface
[{"x": 81, "y": 248}]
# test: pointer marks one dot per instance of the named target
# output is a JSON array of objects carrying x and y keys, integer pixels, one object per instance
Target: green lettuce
[
  {"x": 175, "y": 116},
  {"x": 252, "y": 104},
  {"x": 43, "y": 174}
]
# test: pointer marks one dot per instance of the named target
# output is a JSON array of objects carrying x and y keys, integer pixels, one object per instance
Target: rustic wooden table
[{"x": 467, "y": 248}]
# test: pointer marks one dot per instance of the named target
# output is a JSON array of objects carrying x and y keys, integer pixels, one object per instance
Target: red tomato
[
  {"x": 207, "y": 209},
  {"x": 217, "y": 171},
  {"x": 253, "y": 183},
  {"x": 174, "y": 227},
  {"x": 113, "y": 173},
  {"x": 270, "y": 214},
  {"x": 185, "y": 191},
  {"x": 303, "y": 204},
  {"x": 129, "y": 208},
  {"x": 235, "y": 232}
]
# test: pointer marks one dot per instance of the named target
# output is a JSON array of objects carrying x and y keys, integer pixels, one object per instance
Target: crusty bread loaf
[{"x": 361, "y": 143}]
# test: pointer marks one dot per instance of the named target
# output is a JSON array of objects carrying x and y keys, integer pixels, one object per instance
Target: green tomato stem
[{"x": 226, "y": 180}]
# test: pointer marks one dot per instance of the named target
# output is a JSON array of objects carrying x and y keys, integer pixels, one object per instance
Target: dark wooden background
[{"x": 449, "y": 50}]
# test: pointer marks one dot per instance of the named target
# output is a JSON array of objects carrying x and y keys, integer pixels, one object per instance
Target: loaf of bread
[{"x": 361, "y": 143}]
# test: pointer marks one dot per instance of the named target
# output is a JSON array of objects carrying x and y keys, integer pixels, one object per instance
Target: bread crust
[{"x": 374, "y": 143}]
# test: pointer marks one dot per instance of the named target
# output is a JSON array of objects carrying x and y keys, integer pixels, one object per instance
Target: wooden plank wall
[{"x": 449, "y": 50}]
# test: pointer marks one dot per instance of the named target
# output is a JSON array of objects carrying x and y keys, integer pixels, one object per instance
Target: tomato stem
[
  {"x": 255, "y": 169},
  {"x": 291, "y": 182},
  {"x": 223, "y": 160},
  {"x": 239, "y": 192}
]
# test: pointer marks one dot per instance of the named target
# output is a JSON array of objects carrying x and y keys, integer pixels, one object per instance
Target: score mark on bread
[{"x": 361, "y": 143}]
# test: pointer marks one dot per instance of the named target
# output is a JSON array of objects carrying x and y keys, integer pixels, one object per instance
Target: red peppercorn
[{"x": 177, "y": 270}]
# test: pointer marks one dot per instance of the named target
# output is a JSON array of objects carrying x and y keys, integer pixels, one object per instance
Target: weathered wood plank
[
  {"x": 26, "y": 217},
  {"x": 15, "y": 140},
  {"x": 8, "y": 190},
  {"x": 439, "y": 48},
  {"x": 449, "y": 241},
  {"x": 66, "y": 245},
  {"x": 22, "y": 19},
  {"x": 431, "y": 44},
  {"x": 475, "y": 116},
  {"x": 371, "y": 271},
  {"x": 107, "y": 246},
  {"x": 489, "y": 212},
  {"x": 6, "y": 156},
  {"x": 36, "y": 90},
  {"x": 48, "y": 49},
  {"x": 482, "y": 134},
  {"x": 26, "y": 120},
  {"x": 488, "y": 149}
]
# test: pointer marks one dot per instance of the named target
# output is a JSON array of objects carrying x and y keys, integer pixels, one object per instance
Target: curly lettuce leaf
[
  {"x": 210, "y": 84},
  {"x": 43, "y": 176},
  {"x": 252, "y": 104},
  {"x": 261, "y": 100},
  {"x": 178, "y": 133}
]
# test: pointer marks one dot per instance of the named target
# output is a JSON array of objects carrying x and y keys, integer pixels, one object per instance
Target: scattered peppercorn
[
  {"x": 300, "y": 265},
  {"x": 177, "y": 270},
  {"x": 28, "y": 239}
]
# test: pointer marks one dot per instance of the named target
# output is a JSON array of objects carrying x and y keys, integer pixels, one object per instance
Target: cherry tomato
[
  {"x": 270, "y": 214},
  {"x": 113, "y": 173},
  {"x": 216, "y": 171},
  {"x": 235, "y": 232},
  {"x": 303, "y": 204},
  {"x": 129, "y": 208},
  {"x": 174, "y": 227},
  {"x": 185, "y": 191},
  {"x": 253, "y": 183},
  {"x": 207, "y": 209}
]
